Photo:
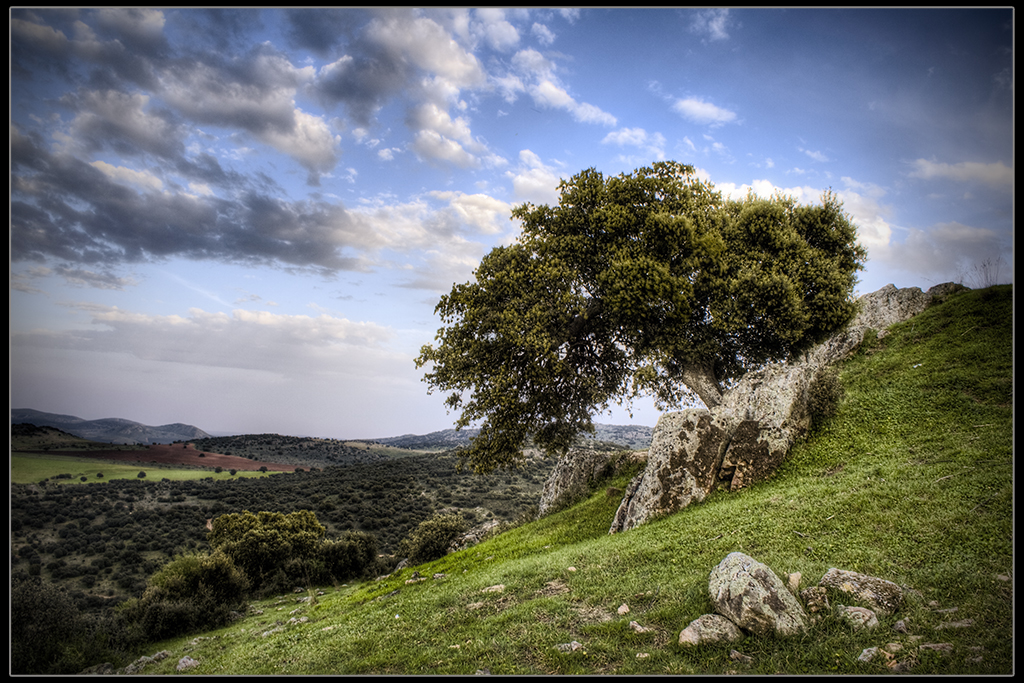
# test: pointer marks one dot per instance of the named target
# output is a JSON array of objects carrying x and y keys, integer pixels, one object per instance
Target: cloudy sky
[{"x": 243, "y": 219}]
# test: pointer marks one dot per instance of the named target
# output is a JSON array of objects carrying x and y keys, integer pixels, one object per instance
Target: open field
[
  {"x": 189, "y": 463},
  {"x": 31, "y": 468}
]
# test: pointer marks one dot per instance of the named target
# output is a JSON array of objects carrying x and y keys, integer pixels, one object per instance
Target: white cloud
[
  {"x": 946, "y": 252},
  {"x": 546, "y": 90},
  {"x": 698, "y": 111},
  {"x": 543, "y": 34},
  {"x": 431, "y": 145},
  {"x": 534, "y": 181},
  {"x": 711, "y": 23},
  {"x": 253, "y": 340},
  {"x": 817, "y": 156},
  {"x": 491, "y": 25},
  {"x": 121, "y": 174},
  {"x": 427, "y": 45},
  {"x": 996, "y": 174},
  {"x": 652, "y": 144},
  {"x": 485, "y": 213},
  {"x": 309, "y": 142}
]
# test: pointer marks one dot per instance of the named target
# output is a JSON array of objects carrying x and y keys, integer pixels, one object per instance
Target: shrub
[
  {"x": 260, "y": 543},
  {"x": 192, "y": 592},
  {"x": 351, "y": 556},
  {"x": 46, "y": 628},
  {"x": 825, "y": 394},
  {"x": 430, "y": 540},
  {"x": 142, "y": 475}
]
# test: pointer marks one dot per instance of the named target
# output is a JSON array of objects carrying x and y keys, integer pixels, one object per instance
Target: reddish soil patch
[{"x": 175, "y": 454}]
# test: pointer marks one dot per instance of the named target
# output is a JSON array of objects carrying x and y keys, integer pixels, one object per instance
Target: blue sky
[{"x": 243, "y": 219}]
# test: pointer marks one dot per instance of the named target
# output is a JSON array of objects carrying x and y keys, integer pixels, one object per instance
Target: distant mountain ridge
[
  {"x": 636, "y": 437},
  {"x": 109, "y": 430}
]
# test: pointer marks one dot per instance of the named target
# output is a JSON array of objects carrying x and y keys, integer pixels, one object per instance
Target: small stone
[
  {"x": 644, "y": 655},
  {"x": 569, "y": 647},
  {"x": 571, "y": 569},
  {"x": 860, "y": 617},
  {"x": 497, "y": 588},
  {"x": 738, "y": 656},
  {"x": 944, "y": 648},
  {"x": 794, "y": 582},
  {"x": 623, "y": 609},
  {"x": 186, "y": 663},
  {"x": 867, "y": 654},
  {"x": 638, "y": 628},
  {"x": 893, "y": 647},
  {"x": 966, "y": 623},
  {"x": 900, "y": 627}
]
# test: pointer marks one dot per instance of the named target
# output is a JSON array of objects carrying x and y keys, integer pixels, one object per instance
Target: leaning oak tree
[{"x": 642, "y": 283}]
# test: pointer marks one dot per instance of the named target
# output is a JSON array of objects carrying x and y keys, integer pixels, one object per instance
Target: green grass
[
  {"x": 30, "y": 468},
  {"x": 911, "y": 480}
]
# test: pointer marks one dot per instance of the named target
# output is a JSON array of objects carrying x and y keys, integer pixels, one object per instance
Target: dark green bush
[
  {"x": 825, "y": 394},
  {"x": 430, "y": 540},
  {"x": 351, "y": 556},
  {"x": 260, "y": 543},
  {"x": 190, "y": 593},
  {"x": 47, "y": 629}
]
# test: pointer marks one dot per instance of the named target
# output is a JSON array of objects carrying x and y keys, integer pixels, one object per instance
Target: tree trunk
[{"x": 701, "y": 380}]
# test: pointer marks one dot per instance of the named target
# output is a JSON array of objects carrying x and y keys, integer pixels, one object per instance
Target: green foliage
[
  {"x": 191, "y": 592},
  {"x": 45, "y": 628},
  {"x": 261, "y": 543},
  {"x": 431, "y": 538},
  {"x": 825, "y": 394},
  {"x": 647, "y": 282},
  {"x": 351, "y": 556},
  {"x": 189, "y": 574}
]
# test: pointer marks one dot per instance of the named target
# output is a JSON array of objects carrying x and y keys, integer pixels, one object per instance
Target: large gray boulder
[
  {"x": 751, "y": 596},
  {"x": 746, "y": 437},
  {"x": 682, "y": 465},
  {"x": 572, "y": 475}
]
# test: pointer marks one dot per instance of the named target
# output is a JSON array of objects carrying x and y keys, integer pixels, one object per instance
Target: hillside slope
[{"x": 911, "y": 481}]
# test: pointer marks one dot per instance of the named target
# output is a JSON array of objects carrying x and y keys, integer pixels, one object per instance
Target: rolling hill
[{"x": 109, "y": 430}]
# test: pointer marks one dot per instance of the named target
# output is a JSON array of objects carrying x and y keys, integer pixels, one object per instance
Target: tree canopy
[{"x": 643, "y": 283}]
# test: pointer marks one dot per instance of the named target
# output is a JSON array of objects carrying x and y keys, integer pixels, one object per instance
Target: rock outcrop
[
  {"x": 749, "y": 434},
  {"x": 683, "y": 462},
  {"x": 572, "y": 475}
]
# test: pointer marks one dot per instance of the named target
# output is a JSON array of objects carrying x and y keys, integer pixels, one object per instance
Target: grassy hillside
[{"x": 911, "y": 481}]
